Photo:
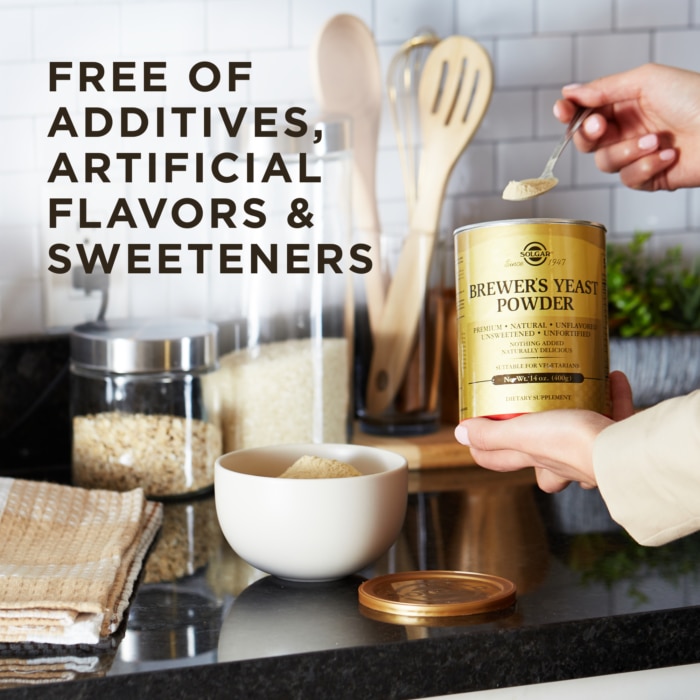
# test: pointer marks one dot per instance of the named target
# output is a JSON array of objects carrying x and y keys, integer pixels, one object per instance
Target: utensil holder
[{"x": 415, "y": 409}]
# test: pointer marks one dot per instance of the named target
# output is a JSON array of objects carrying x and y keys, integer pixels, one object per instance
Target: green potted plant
[{"x": 654, "y": 317}]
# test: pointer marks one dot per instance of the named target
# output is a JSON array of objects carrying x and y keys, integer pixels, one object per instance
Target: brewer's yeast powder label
[{"x": 531, "y": 317}]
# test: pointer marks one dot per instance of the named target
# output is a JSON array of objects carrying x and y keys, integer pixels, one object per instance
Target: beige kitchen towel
[
  {"x": 69, "y": 558},
  {"x": 16, "y": 672}
]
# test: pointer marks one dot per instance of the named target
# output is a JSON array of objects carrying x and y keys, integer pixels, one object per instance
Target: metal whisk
[{"x": 403, "y": 77}]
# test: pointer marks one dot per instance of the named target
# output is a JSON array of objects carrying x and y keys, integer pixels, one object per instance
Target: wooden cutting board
[{"x": 434, "y": 451}]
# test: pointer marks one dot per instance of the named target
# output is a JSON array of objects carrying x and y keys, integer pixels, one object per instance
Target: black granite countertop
[{"x": 203, "y": 623}]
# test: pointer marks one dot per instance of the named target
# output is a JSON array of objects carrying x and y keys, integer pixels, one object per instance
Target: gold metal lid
[{"x": 436, "y": 593}]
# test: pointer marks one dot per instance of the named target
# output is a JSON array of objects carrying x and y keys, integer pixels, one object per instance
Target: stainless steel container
[
  {"x": 144, "y": 405},
  {"x": 531, "y": 317}
]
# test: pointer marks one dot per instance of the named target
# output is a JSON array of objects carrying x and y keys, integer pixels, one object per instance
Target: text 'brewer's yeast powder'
[{"x": 532, "y": 318}]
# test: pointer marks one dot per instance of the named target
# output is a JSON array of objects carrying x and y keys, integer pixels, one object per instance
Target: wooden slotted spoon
[
  {"x": 454, "y": 93},
  {"x": 348, "y": 82}
]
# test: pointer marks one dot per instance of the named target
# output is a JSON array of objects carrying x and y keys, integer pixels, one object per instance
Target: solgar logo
[{"x": 534, "y": 253}]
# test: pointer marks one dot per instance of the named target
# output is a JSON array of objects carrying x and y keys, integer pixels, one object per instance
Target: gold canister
[{"x": 532, "y": 318}]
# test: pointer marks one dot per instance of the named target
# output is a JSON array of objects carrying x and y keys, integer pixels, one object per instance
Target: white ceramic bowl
[{"x": 310, "y": 529}]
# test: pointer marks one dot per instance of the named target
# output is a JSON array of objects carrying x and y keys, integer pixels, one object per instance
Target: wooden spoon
[
  {"x": 348, "y": 82},
  {"x": 454, "y": 93}
]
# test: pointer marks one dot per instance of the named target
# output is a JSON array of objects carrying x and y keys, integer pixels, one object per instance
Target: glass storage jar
[
  {"x": 285, "y": 317},
  {"x": 144, "y": 405}
]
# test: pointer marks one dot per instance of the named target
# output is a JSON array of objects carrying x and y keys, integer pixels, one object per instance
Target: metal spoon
[{"x": 518, "y": 190}]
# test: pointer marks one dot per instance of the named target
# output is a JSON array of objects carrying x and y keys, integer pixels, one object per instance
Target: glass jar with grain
[
  {"x": 285, "y": 305},
  {"x": 144, "y": 407}
]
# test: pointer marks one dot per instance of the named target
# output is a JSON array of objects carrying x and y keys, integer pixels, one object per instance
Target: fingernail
[
  {"x": 462, "y": 435},
  {"x": 591, "y": 126},
  {"x": 571, "y": 86},
  {"x": 667, "y": 154},
  {"x": 648, "y": 142}
]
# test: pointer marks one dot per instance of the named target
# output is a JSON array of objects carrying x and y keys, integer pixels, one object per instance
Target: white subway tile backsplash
[
  {"x": 586, "y": 173},
  {"x": 495, "y": 18},
  {"x": 389, "y": 180},
  {"x": 20, "y": 307},
  {"x": 610, "y": 53},
  {"x": 473, "y": 173},
  {"x": 396, "y": 21},
  {"x": 165, "y": 27},
  {"x": 17, "y": 145},
  {"x": 19, "y": 199},
  {"x": 307, "y": 17},
  {"x": 25, "y": 90},
  {"x": 652, "y": 14},
  {"x": 534, "y": 61},
  {"x": 557, "y": 16},
  {"x": 387, "y": 134},
  {"x": 509, "y": 116},
  {"x": 37, "y": 3},
  {"x": 145, "y": 297},
  {"x": 678, "y": 49},
  {"x": 186, "y": 294},
  {"x": 15, "y": 34},
  {"x": 547, "y": 125},
  {"x": 281, "y": 77},
  {"x": 694, "y": 218},
  {"x": 519, "y": 160},
  {"x": 394, "y": 214},
  {"x": 584, "y": 204},
  {"x": 18, "y": 251},
  {"x": 88, "y": 32},
  {"x": 474, "y": 210},
  {"x": 649, "y": 211},
  {"x": 233, "y": 25},
  {"x": 689, "y": 241},
  {"x": 536, "y": 46}
]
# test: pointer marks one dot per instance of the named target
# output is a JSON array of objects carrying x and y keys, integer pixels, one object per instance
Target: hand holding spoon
[{"x": 518, "y": 190}]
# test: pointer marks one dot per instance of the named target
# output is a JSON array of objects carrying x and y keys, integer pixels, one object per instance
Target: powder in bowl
[{"x": 311, "y": 467}]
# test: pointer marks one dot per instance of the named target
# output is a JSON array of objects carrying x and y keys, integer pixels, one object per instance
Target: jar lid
[
  {"x": 145, "y": 345},
  {"x": 436, "y": 593}
]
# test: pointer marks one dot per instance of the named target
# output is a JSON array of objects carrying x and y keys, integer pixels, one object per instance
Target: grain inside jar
[{"x": 143, "y": 410}]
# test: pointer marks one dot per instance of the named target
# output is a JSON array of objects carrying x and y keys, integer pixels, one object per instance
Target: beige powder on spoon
[{"x": 517, "y": 190}]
